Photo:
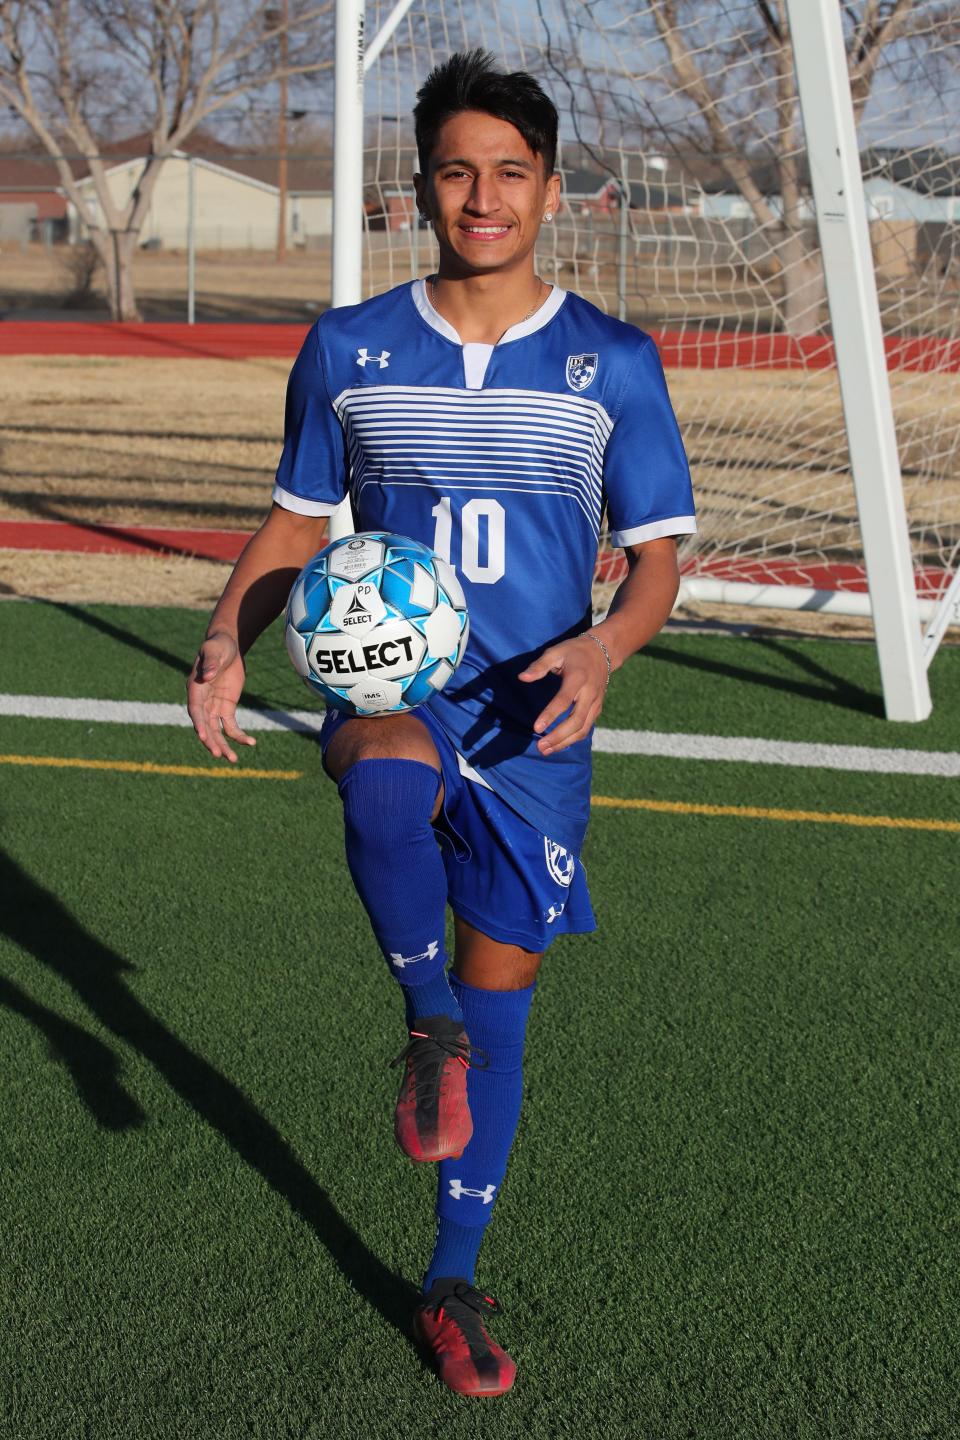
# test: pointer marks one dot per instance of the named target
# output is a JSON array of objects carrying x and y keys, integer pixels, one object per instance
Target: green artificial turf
[
  {"x": 731, "y": 1208},
  {"x": 789, "y": 689}
]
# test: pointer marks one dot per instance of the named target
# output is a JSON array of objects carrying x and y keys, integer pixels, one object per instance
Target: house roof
[
  {"x": 765, "y": 174},
  {"x": 587, "y": 183},
  {"x": 47, "y": 204},
  {"x": 927, "y": 169},
  {"x": 28, "y": 172},
  {"x": 305, "y": 173}
]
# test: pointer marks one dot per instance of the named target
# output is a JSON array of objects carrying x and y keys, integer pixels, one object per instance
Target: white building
[{"x": 232, "y": 210}]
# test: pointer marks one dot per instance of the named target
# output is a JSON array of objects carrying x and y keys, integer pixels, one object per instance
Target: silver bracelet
[{"x": 604, "y": 651}]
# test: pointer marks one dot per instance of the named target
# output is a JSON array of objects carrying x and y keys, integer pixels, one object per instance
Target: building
[
  {"x": 235, "y": 198},
  {"x": 32, "y": 205}
]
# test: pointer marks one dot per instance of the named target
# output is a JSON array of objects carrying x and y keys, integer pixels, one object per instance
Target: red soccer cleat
[
  {"x": 433, "y": 1118},
  {"x": 449, "y": 1325}
]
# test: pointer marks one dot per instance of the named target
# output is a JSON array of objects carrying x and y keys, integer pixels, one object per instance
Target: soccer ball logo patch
[
  {"x": 581, "y": 370},
  {"x": 560, "y": 862}
]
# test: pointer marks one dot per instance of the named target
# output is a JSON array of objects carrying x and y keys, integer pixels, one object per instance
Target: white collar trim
[{"x": 540, "y": 317}]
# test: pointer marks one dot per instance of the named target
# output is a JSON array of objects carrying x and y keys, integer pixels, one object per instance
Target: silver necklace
[{"x": 539, "y": 301}]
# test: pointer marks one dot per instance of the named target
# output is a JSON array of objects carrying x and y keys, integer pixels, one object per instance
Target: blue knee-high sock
[
  {"x": 397, "y": 868},
  {"x": 496, "y": 1022}
]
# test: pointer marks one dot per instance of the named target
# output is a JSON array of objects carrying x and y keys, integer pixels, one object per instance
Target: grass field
[{"x": 731, "y": 1210}]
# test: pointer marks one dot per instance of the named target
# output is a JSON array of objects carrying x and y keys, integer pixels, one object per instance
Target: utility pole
[
  {"x": 282, "y": 148},
  {"x": 281, "y": 17}
]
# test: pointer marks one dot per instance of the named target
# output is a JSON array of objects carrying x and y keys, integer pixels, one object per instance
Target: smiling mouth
[{"x": 485, "y": 232}]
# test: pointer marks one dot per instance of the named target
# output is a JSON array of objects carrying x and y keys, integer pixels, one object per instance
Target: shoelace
[
  {"x": 467, "y": 1306},
  {"x": 428, "y": 1052}
]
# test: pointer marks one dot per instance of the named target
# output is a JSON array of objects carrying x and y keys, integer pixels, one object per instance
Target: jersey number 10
[{"x": 472, "y": 517}]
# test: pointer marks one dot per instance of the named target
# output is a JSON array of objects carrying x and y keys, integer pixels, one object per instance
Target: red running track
[
  {"x": 226, "y": 545},
  {"x": 160, "y": 342},
  {"x": 93, "y": 539},
  {"x": 710, "y": 350},
  {"x": 930, "y": 582}
]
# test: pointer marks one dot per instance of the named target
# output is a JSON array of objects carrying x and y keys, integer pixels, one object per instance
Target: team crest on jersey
[
  {"x": 560, "y": 862},
  {"x": 581, "y": 370}
]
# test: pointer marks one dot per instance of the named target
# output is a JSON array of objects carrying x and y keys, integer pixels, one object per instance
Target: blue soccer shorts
[{"x": 503, "y": 877}]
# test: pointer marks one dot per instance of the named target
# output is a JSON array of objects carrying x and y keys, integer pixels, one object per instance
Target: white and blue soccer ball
[{"x": 376, "y": 623}]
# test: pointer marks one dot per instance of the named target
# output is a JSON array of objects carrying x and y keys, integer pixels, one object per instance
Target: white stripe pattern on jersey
[{"x": 525, "y": 441}]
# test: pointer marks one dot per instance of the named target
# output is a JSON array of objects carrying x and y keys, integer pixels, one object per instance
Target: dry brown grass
[
  {"x": 111, "y": 579},
  {"x": 134, "y": 442},
  {"x": 162, "y": 442},
  {"x": 196, "y": 442},
  {"x": 229, "y": 283}
]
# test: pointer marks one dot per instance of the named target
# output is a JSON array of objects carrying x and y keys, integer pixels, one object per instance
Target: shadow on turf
[
  {"x": 36, "y": 921},
  {"x": 173, "y": 661},
  {"x": 833, "y": 689}
]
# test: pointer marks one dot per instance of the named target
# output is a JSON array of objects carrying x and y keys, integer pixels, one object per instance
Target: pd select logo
[{"x": 357, "y": 607}]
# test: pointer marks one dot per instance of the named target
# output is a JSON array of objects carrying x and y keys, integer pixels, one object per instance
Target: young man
[{"x": 494, "y": 417}]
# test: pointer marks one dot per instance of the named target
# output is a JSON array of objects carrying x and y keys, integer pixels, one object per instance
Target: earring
[{"x": 548, "y": 216}]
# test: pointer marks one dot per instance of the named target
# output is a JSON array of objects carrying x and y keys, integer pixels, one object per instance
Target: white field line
[
  {"x": 868, "y": 758},
  {"x": 141, "y": 712},
  {"x": 865, "y": 758}
]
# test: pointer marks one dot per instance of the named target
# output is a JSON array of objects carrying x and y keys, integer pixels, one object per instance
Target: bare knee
[
  {"x": 387, "y": 737},
  {"x": 488, "y": 964}
]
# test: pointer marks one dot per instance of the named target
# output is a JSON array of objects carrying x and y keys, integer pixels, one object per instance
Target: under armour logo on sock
[
  {"x": 381, "y": 359},
  {"x": 429, "y": 954},
  {"x": 458, "y": 1191}
]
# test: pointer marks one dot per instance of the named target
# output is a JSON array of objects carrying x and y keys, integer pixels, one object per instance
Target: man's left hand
[{"x": 583, "y": 671}]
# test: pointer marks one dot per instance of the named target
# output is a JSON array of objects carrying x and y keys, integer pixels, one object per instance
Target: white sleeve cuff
[
  {"x": 300, "y": 506},
  {"x": 656, "y": 530}
]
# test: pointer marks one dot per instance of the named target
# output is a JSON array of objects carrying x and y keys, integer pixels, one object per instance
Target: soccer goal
[{"x": 772, "y": 189}]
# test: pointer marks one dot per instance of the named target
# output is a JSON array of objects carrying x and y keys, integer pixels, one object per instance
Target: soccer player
[{"x": 494, "y": 417}]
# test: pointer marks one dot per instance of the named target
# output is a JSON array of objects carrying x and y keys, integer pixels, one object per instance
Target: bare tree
[
  {"x": 716, "y": 82},
  {"x": 871, "y": 26},
  {"x": 69, "y": 68}
]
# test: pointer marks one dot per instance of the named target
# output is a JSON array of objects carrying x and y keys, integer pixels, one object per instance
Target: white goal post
[{"x": 770, "y": 188}]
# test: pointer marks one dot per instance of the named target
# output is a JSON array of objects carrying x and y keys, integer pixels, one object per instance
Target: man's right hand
[{"x": 214, "y": 688}]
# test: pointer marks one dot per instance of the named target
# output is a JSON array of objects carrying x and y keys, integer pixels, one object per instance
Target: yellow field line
[
  {"x": 147, "y": 767},
  {"x": 609, "y": 802},
  {"x": 753, "y": 812}
]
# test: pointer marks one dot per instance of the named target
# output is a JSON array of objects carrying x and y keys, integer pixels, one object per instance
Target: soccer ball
[{"x": 376, "y": 624}]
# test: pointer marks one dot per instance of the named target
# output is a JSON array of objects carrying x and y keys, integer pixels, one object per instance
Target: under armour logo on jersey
[
  {"x": 581, "y": 370},
  {"x": 382, "y": 359},
  {"x": 560, "y": 862},
  {"x": 428, "y": 954},
  {"x": 554, "y": 913},
  {"x": 458, "y": 1191}
]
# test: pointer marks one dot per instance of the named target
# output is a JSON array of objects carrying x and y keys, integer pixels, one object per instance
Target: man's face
[{"x": 486, "y": 193}]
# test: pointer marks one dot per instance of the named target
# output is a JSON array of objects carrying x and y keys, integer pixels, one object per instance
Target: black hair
[{"x": 471, "y": 81}]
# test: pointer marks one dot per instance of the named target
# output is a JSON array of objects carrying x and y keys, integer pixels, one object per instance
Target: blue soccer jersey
[{"x": 504, "y": 459}]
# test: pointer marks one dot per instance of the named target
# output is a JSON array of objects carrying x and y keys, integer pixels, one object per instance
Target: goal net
[{"x": 687, "y": 210}]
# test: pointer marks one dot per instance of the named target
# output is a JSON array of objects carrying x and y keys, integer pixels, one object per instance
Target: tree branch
[{"x": 693, "y": 83}]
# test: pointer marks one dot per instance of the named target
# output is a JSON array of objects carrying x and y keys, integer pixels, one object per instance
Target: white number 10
[{"x": 470, "y": 517}]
